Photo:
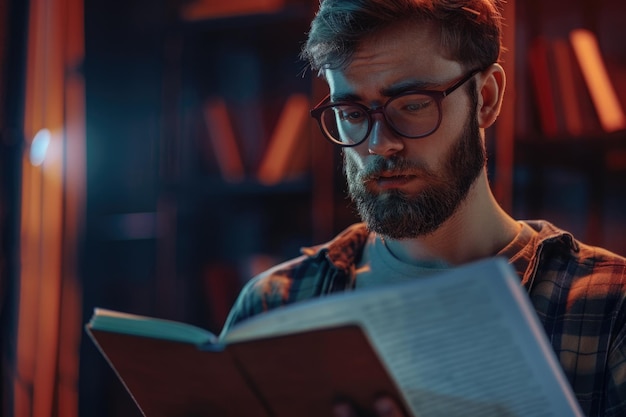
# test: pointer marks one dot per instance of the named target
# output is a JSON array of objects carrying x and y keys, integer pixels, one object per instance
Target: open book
[{"x": 464, "y": 342}]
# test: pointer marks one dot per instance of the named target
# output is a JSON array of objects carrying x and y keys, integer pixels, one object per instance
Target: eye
[
  {"x": 415, "y": 104},
  {"x": 350, "y": 114}
]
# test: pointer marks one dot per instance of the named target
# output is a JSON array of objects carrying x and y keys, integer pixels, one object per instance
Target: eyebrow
[
  {"x": 408, "y": 85},
  {"x": 390, "y": 91},
  {"x": 337, "y": 97}
]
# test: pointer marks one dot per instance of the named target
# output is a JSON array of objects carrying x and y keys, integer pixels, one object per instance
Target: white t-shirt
[{"x": 379, "y": 266}]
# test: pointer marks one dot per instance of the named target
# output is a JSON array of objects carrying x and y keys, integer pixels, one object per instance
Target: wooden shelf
[
  {"x": 288, "y": 14},
  {"x": 584, "y": 153}
]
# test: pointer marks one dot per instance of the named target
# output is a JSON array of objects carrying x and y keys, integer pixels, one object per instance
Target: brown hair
[{"x": 470, "y": 29}]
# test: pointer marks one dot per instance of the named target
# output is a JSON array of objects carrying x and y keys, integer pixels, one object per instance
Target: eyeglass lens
[{"x": 411, "y": 115}]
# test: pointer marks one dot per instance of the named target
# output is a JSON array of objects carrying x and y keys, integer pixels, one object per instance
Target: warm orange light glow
[
  {"x": 29, "y": 294},
  {"x": 40, "y": 283},
  {"x": 203, "y": 9},
  {"x": 48, "y": 332},
  {"x": 594, "y": 71}
]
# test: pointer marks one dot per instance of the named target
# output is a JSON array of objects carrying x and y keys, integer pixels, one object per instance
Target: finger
[
  {"x": 343, "y": 410},
  {"x": 388, "y": 407}
]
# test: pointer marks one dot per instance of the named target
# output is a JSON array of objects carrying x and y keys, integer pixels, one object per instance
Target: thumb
[{"x": 388, "y": 407}]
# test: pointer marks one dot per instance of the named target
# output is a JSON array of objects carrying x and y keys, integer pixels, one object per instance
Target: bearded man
[{"x": 413, "y": 86}]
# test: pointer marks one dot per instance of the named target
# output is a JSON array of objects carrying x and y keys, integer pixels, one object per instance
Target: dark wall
[
  {"x": 13, "y": 18},
  {"x": 166, "y": 234}
]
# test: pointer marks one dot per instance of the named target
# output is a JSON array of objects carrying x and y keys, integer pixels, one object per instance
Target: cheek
[
  {"x": 456, "y": 111},
  {"x": 356, "y": 156},
  {"x": 429, "y": 152},
  {"x": 452, "y": 128}
]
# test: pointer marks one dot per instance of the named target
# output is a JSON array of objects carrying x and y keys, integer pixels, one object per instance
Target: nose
[{"x": 383, "y": 140}]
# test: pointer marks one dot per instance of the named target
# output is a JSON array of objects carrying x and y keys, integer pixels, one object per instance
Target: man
[{"x": 413, "y": 85}]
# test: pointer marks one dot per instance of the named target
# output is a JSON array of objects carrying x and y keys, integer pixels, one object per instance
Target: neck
[{"x": 479, "y": 228}]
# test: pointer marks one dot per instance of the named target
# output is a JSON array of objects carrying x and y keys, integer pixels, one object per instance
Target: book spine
[
  {"x": 542, "y": 82},
  {"x": 223, "y": 139},
  {"x": 596, "y": 76},
  {"x": 286, "y": 138}
]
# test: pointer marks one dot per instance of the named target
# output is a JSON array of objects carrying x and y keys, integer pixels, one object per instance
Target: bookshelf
[
  {"x": 570, "y": 126},
  {"x": 150, "y": 78},
  {"x": 161, "y": 93},
  {"x": 243, "y": 170}
]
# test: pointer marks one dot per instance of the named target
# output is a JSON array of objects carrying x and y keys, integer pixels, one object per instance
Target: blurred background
[{"x": 156, "y": 154}]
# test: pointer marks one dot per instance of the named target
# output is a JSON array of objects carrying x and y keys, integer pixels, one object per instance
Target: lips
[
  {"x": 388, "y": 180},
  {"x": 385, "y": 175}
]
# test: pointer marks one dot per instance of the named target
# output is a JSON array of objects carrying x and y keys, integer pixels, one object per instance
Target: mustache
[{"x": 395, "y": 166}]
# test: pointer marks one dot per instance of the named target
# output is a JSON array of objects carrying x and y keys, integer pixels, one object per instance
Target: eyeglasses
[{"x": 412, "y": 114}]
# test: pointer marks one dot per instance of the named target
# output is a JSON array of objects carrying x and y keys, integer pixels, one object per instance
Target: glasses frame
[{"x": 436, "y": 95}]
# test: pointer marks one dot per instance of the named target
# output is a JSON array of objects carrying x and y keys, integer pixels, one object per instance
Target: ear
[{"x": 490, "y": 93}]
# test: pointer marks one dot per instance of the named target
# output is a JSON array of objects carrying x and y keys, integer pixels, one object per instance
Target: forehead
[{"x": 410, "y": 52}]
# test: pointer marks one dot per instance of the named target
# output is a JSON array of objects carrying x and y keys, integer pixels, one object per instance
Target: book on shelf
[
  {"x": 542, "y": 78},
  {"x": 578, "y": 108},
  {"x": 463, "y": 342},
  {"x": 568, "y": 88},
  {"x": 223, "y": 140},
  {"x": 603, "y": 94},
  {"x": 573, "y": 92},
  {"x": 286, "y": 144}
]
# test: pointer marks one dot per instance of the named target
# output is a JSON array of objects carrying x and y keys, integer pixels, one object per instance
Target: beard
[{"x": 397, "y": 215}]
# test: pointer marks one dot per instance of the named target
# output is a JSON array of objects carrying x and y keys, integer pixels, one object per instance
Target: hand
[{"x": 384, "y": 406}]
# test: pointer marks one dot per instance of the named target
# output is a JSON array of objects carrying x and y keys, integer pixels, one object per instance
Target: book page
[{"x": 465, "y": 342}]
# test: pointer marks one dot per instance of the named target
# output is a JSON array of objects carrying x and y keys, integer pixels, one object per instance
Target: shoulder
[
  {"x": 554, "y": 242},
  {"x": 579, "y": 294},
  {"x": 339, "y": 255},
  {"x": 318, "y": 270},
  {"x": 574, "y": 273}
]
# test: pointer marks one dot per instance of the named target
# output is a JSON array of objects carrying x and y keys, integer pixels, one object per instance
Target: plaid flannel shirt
[{"x": 577, "y": 290}]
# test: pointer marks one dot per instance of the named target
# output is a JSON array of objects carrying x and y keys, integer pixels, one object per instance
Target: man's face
[{"x": 404, "y": 188}]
